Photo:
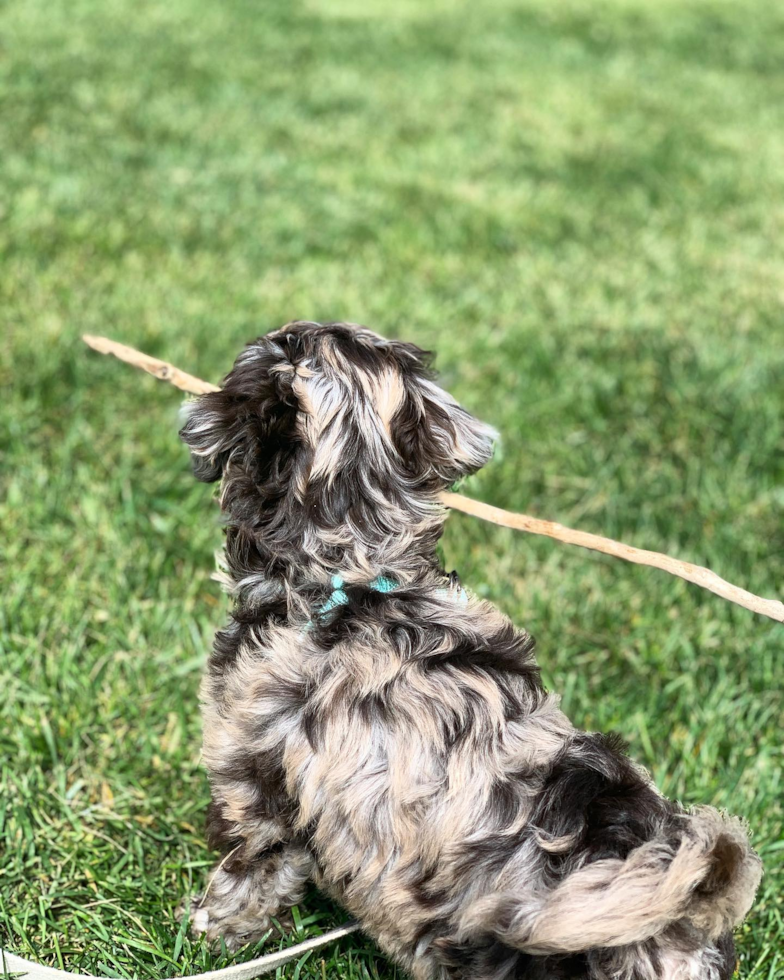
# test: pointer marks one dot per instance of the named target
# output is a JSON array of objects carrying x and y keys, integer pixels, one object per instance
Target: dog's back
[{"x": 405, "y": 739}]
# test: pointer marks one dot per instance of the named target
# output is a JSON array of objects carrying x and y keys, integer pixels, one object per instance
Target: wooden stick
[
  {"x": 703, "y": 577},
  {"x": 519, "y": 522},
  {"x": 159, "y": 369}
]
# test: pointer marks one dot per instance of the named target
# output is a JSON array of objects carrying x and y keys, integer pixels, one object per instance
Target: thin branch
[
  {"x": 696, "y": 574},
  {"x": 703, "y": 577},
  {"x": 159, "y": 369}
]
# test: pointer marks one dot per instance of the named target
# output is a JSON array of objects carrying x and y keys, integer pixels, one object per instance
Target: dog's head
[{"x": 333, "y": 426}]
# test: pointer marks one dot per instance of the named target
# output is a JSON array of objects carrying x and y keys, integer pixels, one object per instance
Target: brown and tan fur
[{"x": 398, "y": 747}]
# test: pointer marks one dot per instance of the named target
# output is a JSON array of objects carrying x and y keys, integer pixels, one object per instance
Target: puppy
[{"x": 372, "y": 727}]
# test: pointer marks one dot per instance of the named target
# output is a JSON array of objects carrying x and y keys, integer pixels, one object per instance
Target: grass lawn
[{"x": 580, "y": 205}]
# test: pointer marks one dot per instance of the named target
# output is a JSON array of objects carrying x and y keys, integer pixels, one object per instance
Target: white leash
[{"x": 10, "y": 963}]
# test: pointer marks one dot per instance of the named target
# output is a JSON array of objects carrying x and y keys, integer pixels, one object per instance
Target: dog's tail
[{"x": 704, "y": 872}]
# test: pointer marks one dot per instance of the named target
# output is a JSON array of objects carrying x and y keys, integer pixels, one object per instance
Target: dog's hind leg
[{"x": 245, "y": 893}]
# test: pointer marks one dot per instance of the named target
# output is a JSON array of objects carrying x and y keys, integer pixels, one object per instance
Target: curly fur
[{"x": 401, "y": 750}]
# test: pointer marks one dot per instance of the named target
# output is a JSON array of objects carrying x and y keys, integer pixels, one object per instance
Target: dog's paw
[
  {"x": 232, "y": 930},
  {"x": 198, "y": 916},
  {"x": 187, "y": 907},
  {"x": 200, "y": 923}
]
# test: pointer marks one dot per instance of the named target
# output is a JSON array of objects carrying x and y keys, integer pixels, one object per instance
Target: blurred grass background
[{"x": 580, "y": 205}]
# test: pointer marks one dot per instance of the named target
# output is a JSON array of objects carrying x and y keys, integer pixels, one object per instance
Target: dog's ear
[
  {"x": 213, "y": 428},
  {"x": 437, "y": 438},
  {"x": 251, "y": 419}
]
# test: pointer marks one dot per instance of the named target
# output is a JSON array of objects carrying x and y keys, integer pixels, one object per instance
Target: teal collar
[{"x": 338, "y": 596}]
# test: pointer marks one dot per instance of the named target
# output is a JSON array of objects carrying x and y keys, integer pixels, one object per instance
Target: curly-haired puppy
[{"x": 370, "y": 726}]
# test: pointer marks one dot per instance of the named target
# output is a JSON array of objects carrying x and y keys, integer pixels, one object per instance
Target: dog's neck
[
  {"x": 303, "y": 568},
  {"x": 298, "y": 543},
  {"x": 305, "y": 591}
]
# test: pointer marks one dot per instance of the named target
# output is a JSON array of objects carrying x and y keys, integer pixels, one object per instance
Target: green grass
[{"x": 580, "y": 205}]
